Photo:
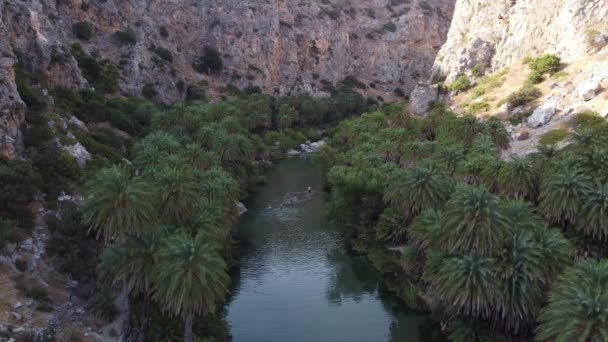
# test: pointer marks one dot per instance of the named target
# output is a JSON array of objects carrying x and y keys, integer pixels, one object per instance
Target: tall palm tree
[
  {"x": 562, "y": 194},
  {"x": 117, "y": 205},
  {"x": 519, "y": 179},
  {"x": 177, "y": 192},
  {"x": 578, "y": 305},
  {"x": 473, "y": 223},
  {"x": 419, "y": 188},
  {"x": 189, "y": 278},
  {"x": 593, "y": 217}
]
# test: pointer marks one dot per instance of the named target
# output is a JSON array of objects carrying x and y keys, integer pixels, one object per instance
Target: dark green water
[{"x": 296, "y": 281}]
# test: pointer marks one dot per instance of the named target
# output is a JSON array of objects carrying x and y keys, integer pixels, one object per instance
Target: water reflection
[{"x": 296, "y": 282}]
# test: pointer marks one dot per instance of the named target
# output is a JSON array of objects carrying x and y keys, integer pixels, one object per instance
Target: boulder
[
  {"x": 588, "y": 89},
  {"x": 240, "y": 207},
  {"x": 542, "y": 114},
  {"x": 76, "y": 122},
  {"x": 80, "y": 153},
  {"x": 421, "y": 99}
]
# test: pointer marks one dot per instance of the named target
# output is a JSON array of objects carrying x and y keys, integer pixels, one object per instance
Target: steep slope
[{"x": 494, "y": 34}]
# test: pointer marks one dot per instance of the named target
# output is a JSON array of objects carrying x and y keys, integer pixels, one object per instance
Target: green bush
[
  {"x": 83, "y": 30},
  {"x": 389, "y": 27},
  {"x": 519, "y": 118},
  {"x": 588, "y": 120},
  {"x": 535, "y": 77},
  {"x": 479, "y": 107},
  {"x": 553, "y": 137},
  {"x": 95, "y": 147},
  {"x": 19, "y": 183},
  {"x": 211, "y": 62},
  {"x": 479, "y": 70},
  {"x": 127, "y": 37},
  {"x": 523, "y": 96},
  {"x": 103, "y": 75},
  {"x": 164, "y": 54},
  {"x": 461, "y": 84},
  {"x": 546, "y": 64}
]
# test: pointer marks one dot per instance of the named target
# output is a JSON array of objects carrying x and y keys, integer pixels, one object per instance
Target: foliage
[
  {"x": 103, "y": 75},
  {"x": 523, "y": 96},
  {"x": 578, "y": 305},
  {"x": 210, "y": 63},
  {"x": 545, "y": 64},
  {"x": 554, "y": 136},
  {"x": 462, "y": 83},
  {"x": 83, "y": 30},
  {"x": 127, "y": 37}
]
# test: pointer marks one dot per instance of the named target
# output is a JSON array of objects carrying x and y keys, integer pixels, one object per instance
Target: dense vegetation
[
  {"x": 490, "y": 245},
  {"x": 159, "y": 193}
]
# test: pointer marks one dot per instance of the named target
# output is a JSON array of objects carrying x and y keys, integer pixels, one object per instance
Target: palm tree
[
  {"x": 519, "y": 179},
  {"x": 189, "y": 278},
  {"x": 473, "y": 223},
  {"x": 578, "y": 305},
  {"x": 117, "y": 205},
  {"x": 131, "y": 265},
  {"x": 521, "y": 215},
  {"x": 497, "y": 132},
  {"x": 178, "y": 194},
  {"x": 556, "y": 251},
  {"x": 593, "y": 217},
  {"x": 426, "y": 228},
  {"x": 450, "y": 156},
  {"x": 197, "y": 157},
  {"x": 562, "y": 194},
  {"x": 233, "y": 148},
  {"x": 419, "y": 188},
  {"x": 467, "y": 284},
  {"x": 520, "y": 273}
]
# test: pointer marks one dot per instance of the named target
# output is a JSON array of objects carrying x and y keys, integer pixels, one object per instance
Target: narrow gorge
[{"x": 305, "y": 170}]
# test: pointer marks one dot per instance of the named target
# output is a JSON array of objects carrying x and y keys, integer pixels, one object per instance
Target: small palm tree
[
  {"x": 419, "y": 188},
  {"x": 117, "y": 205},
  {"x": 519, "y": 179},
  {"x": 520, "y": 273},
  {"x": 521, "y": 215},
  {"x": 426, "y": 228},
  {"x": 189, "y": 278},
  {"x": 593, "y": 217},
  {"x": 197, "y": 157},
  {"x": 498, "y": 133},
  {"x": 562, "y": 194},
  {"x": 473, "y": 223},
  {"x": 468, "y": 285},
  {"x": 578, "y": 305}
]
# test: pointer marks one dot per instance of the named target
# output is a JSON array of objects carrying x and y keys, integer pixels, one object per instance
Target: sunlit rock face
[{"x": 498, "y": 33}]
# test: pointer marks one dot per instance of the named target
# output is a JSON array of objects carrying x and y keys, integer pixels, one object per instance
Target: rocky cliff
[
  {"x": 497, "y": 33},
  {"x": 282, "y": 46}
]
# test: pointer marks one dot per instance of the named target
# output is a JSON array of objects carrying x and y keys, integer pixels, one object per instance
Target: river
[{"x": 296, "y": 281}]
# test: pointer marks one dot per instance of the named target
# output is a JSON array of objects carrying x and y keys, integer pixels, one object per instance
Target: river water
[{"x": 296, "y": 282}]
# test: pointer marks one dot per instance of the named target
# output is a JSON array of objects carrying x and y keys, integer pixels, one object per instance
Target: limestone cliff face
[
  {"x": 283, "y": 46},
  {"x": 279, "y": 45},
  {"x": 498, "y": 33}
]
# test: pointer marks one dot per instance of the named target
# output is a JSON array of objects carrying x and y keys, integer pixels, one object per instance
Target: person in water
[{"x": 309, "y": 189}]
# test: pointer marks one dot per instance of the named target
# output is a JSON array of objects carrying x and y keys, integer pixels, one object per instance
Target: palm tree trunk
[
  {"x": 188, "y": 328},
  {"x": 126, "y": 312}
]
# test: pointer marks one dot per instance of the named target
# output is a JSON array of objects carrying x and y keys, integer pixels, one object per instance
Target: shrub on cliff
[
  {"x": 83, "y": 30},
  {"x": 211, "y": 62},
  {"x": 461, "y": 84},
  {"x": 126, "y": 37}
]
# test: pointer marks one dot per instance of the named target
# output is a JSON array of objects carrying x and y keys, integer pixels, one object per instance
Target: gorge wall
[
  {"x": 282, "y": 46},
  {"x": 498, "y": 33}
]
